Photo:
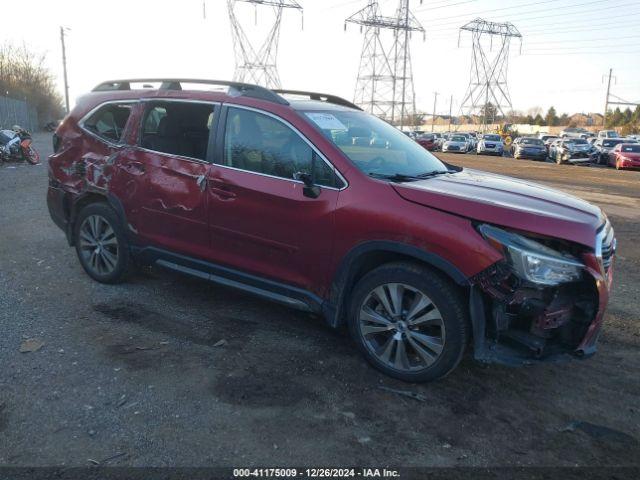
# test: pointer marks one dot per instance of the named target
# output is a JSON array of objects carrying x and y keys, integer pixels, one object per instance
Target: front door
[
  {"x": 170, "y": 163},
  {"x": 259, "y": 217}
]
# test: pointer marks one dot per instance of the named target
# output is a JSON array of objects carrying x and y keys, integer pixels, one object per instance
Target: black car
[{"x": 529, "y": 147}]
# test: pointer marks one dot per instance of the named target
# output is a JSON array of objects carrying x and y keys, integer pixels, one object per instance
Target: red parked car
[
  {"x": 625, "y": 155},
  {"x": 428, "y": 141},
  {"x": 304, "y": 199}
]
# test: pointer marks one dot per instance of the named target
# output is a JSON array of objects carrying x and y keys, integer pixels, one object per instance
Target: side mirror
[{"x": 310, "y": 189}]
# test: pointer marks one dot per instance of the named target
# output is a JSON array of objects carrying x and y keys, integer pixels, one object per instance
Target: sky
[{"x": 568, "y": 46}]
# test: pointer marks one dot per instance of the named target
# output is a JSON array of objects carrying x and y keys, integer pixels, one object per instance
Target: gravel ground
[{"x": 135, "y": 375}]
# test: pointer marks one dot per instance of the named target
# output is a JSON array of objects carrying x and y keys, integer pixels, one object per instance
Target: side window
[
  {"x": 109, "y": 121},
  {"x": 262, "y": 144},
  {"x": 152, "y": 121},
  {"x": 177, "y": 128}
]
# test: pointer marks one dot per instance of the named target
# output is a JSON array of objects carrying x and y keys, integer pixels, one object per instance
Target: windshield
[
  {"x": 492, "y": 138},
  {"x": 578, "y": 141},
  {"x": 458, "y": 138},
  {"x": 532, "y": 141},
  {"x": 630, "y": 148},
  {"x": 374, "y": 146},
  {"x": 611, "y": 143}
]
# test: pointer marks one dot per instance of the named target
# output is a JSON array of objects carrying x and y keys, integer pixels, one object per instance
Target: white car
[
  {"x": 456, "y": 143},
  {"x": 490, "y": 144}
]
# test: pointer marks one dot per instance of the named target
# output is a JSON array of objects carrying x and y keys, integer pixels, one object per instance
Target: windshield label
[{"x": 326, "y": 121}]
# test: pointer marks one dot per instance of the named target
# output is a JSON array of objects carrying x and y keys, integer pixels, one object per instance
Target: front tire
[
  {"x": 410, "y": 322},
  {"x": 101, "y": 244}
]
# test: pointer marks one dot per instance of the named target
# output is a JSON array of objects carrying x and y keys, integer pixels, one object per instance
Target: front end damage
[{"x": 516, "y": 321}]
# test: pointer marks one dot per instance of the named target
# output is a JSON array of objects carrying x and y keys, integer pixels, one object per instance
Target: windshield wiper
[
  {"x": 395, "y": 177},
  {"x": 401, "y": 177},
  {"x": 433, "y": 173}
]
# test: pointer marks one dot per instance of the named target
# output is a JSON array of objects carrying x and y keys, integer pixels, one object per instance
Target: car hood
[
  {"x": 631, "y": 155},
  {"x": 507, "y": 202}
]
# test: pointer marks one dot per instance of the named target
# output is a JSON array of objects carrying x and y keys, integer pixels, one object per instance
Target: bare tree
[{"x": 24, "y": 75}]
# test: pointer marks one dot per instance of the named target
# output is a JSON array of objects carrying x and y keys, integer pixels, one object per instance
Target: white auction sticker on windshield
[{"x": 326, "y": 121}]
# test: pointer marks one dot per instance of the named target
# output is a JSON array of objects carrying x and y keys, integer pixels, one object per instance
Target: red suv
[{"x": 304, "y": 199}]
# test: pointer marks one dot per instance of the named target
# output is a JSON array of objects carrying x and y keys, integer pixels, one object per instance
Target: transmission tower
[
  {"x": 385, "y": 79},
  {"x": 258, "y": 66},
  {"x": 488, "y": 83}
]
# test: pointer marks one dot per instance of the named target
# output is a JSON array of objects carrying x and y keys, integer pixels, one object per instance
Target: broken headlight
[{"x": 531, "y": 260}]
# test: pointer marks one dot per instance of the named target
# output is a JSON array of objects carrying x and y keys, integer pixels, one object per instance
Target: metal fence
[{"x": 18, "y": 112}]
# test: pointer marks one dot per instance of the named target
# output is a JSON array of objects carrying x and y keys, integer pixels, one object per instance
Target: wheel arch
[
  {"x": 365, "y": 257},
  {"x": 88, "y": 198}
]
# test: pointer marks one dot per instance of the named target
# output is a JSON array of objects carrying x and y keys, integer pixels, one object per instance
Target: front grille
[{"x": 607, "y": 245}]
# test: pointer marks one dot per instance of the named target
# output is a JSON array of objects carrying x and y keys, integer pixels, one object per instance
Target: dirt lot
[{"x": 131, "y": 374}]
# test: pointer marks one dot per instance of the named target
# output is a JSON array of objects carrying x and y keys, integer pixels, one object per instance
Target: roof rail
[
  {"x": 235, "y": 88},
  {"x": 324, "y": 97}
]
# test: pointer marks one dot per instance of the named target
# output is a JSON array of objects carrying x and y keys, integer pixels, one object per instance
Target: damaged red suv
[{"x": 304, "y": 199}]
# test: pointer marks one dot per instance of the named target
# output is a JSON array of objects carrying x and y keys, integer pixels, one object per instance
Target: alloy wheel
[
  {"x": 402, "y": 327},
  {"x": 98, "y": 245}
]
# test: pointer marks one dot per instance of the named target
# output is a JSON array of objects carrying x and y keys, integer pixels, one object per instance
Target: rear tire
[
  {"x": 31, "y": 155},
  {"x": 101, "y": 244},
  {"x": 409, "y": 322}
]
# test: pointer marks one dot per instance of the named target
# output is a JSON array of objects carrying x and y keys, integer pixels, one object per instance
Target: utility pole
[
  {"x": 435, "y": 101},
  {"x": 64, "y": 69},
  {"x": 606, "y": 102},
  {"x": 450, "y": 110},
  {"x": 404, "y": 64}
]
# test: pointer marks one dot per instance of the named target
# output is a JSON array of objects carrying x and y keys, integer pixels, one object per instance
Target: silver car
[
  {"x": 490, "y": 144},
  {"x": 456, "y": 143}
]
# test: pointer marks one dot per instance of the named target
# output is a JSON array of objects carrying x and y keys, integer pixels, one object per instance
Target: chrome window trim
[
  {"x": 94, "y": 110},
  {"x": 166, "y": 100},
  {"x": 172, "y": 155},
  {"x": 307, "y": 141}
]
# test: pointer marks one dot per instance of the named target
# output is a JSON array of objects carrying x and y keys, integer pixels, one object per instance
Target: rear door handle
[{"x": 220, "y": 189}]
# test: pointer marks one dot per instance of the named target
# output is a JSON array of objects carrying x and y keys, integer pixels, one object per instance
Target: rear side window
[
  {"x": 177, "y": 128},
  {"x": 259, "y": 143},
  {"x": 108, "y": 121}
]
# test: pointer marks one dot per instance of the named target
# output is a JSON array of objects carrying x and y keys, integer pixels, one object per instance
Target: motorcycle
[{"x": 16, "y": 145}]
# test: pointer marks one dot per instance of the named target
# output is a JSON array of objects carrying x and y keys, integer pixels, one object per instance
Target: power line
[{"x": 518, "y": 16}]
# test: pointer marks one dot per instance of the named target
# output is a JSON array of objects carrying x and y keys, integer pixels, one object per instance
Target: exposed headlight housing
[{"x": 531, "y": 260}]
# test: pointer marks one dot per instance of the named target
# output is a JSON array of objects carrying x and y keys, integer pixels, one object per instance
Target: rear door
[
  {"x": 259, "y": 217},
  {"x": 168, "y": 167}
]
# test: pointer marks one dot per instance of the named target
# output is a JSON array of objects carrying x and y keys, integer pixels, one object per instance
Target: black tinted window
[
  {"x": 177, "y": 128},
  {"x": 262, "y": 144},
  {"x": 109, "y": 121}
]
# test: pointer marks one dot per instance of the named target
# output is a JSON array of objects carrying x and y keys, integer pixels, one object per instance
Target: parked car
[
  {"x": 437, "y": 140},
  {"x": 471, "y": 140},
  {"x": 490, "y": 144},
  {"x": 625, "y": 155},
  {"x": 573, "y": 132},
  {"x": 304, "y": 199},
  {"x": 572, "y": 150},
  {"x": 547, "y": 140},
  {"x": 608, "y": 134},
  {"x": 603, "y": 147},
  {"x": 529, "y": 147},
  {"x": 427, "y": 140},
  {"x": 456, "y": 143}
]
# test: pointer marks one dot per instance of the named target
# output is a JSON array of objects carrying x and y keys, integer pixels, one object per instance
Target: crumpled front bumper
[{"x": 564, "y": 328}]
